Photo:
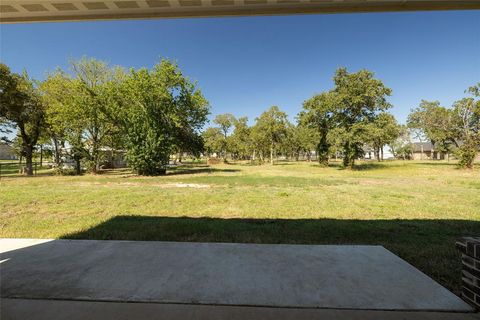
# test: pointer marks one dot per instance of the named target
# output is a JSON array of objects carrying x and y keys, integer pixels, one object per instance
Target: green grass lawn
[{"x": 415, "y": 209}]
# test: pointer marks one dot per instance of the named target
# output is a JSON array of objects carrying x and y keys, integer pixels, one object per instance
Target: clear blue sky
[{"x": 244, "y": 65}]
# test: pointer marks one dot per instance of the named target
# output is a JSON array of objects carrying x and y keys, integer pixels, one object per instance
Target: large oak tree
[
  {"x": 156, "y": 111},
  {"x": 20, "y": 104}
]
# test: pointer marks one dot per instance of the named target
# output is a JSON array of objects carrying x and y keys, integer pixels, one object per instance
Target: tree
[
  {"x": 383, "y": 130},
  {"x": 308, "y": 139},
  {"x": 419, "y": 135},
  {"x": 76, "y": 110},
  {"x": 335, "y": 140},
  {"x": 270, "y": 129},
  {"x": 65, "y": 117},
  {"x": 213, "y": 139},
  {"x": 43, "y": 149},
  {"x": 290, "y": 144},
  {"x": 240, "y": 140},
  {"x": 346, "y": 114},
  {"x": 300, "y": 140},
  {"x": 318, "y": 114},
  {"x": 360, "y": 97},
  {"x": 260, "y": 144},
  {"x": 20, "y": 104},
  {"x": 467, "y": 118},
  {"x": 402, "y": 146},
  {"x": 437, "y": 123},
  {"x": 156, "y": 110},
  {"x": 91, "y": 79},
  {"x": 188, "y": 141},
  {"x": 225, "y": 122},
  {"x": 61, "y": 124}
]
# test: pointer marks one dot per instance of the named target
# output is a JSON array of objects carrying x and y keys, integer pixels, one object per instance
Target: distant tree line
[
  {"x": 155, "y": 113},
  {"x": 345, "y": 122},
  {"x": 271, "y": 136}
]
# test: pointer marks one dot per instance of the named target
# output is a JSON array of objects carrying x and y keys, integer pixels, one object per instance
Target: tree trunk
[
  {"x": 41, "y": 156},
  {"x": 433, "y": 153},
  {"x": 381, "y": 153},
  {"x": 77, "y": 155},
  {"x": 224, "y": 153},
  {"x": 394, "y": 152},
  {"x": 112, "y": 158},
  {"x": 271, "y": 154},
  {"x": 347, "y": 156},
  {"x": 56, "y": 151},
  {"x": 95, "y": 158},
  {"x": 348, "y": 162},
  {"x": 61, "y": 151},
  {"x": 20, "y": 158},
  {"x": 78, "y": 169},
  {"x": 28, "y": 160},
  {"x": 323, "y": 162}
]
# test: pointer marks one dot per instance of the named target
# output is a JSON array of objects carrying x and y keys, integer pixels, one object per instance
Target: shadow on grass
[
  {"x": 427, "y": 244},
  {"x": 370, "y": 166},
  {"x": 439, "y": 163},
  {"x": 286, "y": 163},
  {"x": 43, "y": 173},
  {"x": 181, "y": 170},
  {"x": 363, "y": 166}
]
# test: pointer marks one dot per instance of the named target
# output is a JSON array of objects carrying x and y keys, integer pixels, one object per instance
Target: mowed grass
[{"x": 415, "y": 209}]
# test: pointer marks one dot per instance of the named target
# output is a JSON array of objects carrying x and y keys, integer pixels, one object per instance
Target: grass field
[{"x": 415, "y": 209}]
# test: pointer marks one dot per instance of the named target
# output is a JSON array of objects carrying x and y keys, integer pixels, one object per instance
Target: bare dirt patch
[
  {"x": 187, "y": 185},
  {"x": 138, "y": 184}
]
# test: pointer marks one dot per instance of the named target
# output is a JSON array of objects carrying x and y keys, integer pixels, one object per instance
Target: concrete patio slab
[
  {"x": 224, "y": 274},
  {"x": 14, "y": 309}
]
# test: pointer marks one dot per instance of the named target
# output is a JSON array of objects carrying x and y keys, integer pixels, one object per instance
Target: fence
[{"x": 9, "y": 169}]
